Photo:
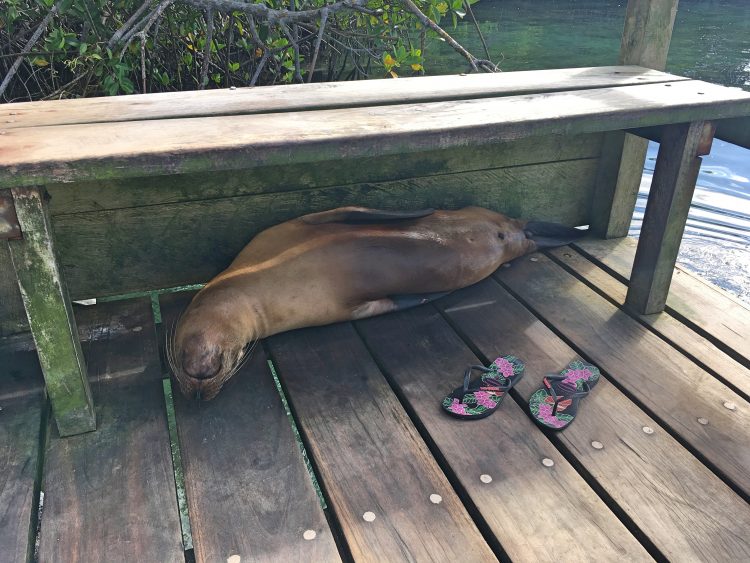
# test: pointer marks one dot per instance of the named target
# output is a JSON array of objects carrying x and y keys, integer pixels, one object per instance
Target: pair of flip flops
[{"x": 553, "y": 406}]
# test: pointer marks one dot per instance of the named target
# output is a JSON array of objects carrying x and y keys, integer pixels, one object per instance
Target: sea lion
[{"x": 339, "y": 265}]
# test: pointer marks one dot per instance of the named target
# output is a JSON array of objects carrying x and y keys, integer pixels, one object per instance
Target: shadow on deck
[{"x": 655, "y": 467}]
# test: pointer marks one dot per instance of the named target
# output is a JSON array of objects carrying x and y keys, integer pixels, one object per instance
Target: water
[{"x": 711, "y": 41}]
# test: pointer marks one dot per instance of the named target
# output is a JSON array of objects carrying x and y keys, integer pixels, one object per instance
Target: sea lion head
[{"x": 209, "y": 345}]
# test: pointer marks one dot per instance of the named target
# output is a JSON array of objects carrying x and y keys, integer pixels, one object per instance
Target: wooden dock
[{"x": 655, "y": 467}]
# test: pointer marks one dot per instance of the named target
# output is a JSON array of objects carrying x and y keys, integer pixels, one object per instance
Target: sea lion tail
[{"x": 550, "y": 235}]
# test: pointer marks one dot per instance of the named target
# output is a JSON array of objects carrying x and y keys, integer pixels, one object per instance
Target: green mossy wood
[{"x": 50, "y": 315}]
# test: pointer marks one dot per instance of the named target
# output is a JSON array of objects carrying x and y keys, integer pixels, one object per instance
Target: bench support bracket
[
  {"x": 50, "y": 314},
  {"x": 672, "y": 188}
]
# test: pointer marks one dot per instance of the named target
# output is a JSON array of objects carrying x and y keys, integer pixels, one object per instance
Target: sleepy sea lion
[{"x": 340, "y": 265}]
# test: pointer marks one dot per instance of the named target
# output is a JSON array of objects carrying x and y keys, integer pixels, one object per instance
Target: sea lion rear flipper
[{"x": 354, "y": 214}]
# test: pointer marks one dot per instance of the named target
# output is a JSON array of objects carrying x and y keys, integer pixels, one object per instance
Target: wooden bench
[{"x": 162, "y": 190}]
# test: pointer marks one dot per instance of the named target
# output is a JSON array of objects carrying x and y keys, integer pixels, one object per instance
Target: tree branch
[{"x": 29, "y": 44}]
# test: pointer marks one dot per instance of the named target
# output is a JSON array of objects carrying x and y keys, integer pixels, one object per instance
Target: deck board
[
  {"x": 248, "y": 492},
  {"x": 556, "y": 516},
  {"x": 691, "y": 299},
  {"x": 663, "y": 489},
  {"x": 22, "y": 404},
  {"x": 673, "y": 388},
  {"x": 679, "y": 335},
  {"x": 109, "y": 494},
  {"x": 369, "y": 456}
]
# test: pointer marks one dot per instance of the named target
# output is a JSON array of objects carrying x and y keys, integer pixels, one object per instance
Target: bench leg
[
  {"x": 50, "y": 315},
  {"x": 617, "y": 183},
  {"x": 672, "y": 188}
]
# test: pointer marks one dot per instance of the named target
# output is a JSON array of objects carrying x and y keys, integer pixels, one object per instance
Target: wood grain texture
[
  {"x": 23, "y": 403},
  {"x": 137, "y": 192},
  {"x": 645, "y": 41},
  {"x": 113, "y": 252},
  {"x": 555, "y": 514},
  {"x": 647, "y": 32},
  {"x": 248, "y": 491},
  {"x": 110, "y": 494},
  {"x": 299, "y": 97},
  {"x": 48, "y": 309},
  {"x": 12, "y": 314},
  {"x": 674, "y": 500},
  {"x": 369, "y": 455},
  {"x": 672, "y": 187},
  {"x": 673, "y": 388},
  {"x": 35, "y": 155},
  {"x": 617, "y": 183},
  {"x": 677, "y": 333},
  {"x": 713, "y": 312},
  {"x": 735, "y": 131}
]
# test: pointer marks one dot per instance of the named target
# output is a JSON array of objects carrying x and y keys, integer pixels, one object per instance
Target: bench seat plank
[
  {"x": 369, "y": 456},
  {"x": 673, "y": 388},
  {"x": 684, "y": 510},
  {"x": 303, "y": 97},
  {"x": 556, "y": 516},
  {"x": 35, "y": 155},
  {"x": 248, "y": 492},
  {"x": 110, "y": 494}
]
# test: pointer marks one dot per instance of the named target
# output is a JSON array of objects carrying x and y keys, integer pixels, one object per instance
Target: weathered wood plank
[
  {"x": 722, "y": 318},
  {"x": 376, "y": 470},
  {"x": 248, "y": 491},
  {"x": 174, "y": 146},
  {"x": 12, "y": 314},
  {"x": 647, "y": 33},
  {"x": 645, "y": 41},
  {"x": 22, "y": 405},
  {"x": 673, "y": 499},
  {"x": 299, "y": 97},
  {"x": 48, "y": 310},
  {"x": 678, "y": 334},
  {"x": 137, "y": 192},
  {"x": 110, "y": 494},
  {"x": 424, "y": 360},
  {"x": 113, "y": 251},
  {"x": 735, "y": 131},
  {"x": 617, "y": 183},
  {"x": 675, "y": 175},
  {"x": 673, "y": 388}
]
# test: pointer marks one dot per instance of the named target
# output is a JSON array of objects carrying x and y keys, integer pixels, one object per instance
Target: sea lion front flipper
[
  {"x": 414, "y": 299},
  {"x": 355, "y": 214}
]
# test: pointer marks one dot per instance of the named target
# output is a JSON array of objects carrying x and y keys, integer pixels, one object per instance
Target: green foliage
[{"x": 74, "y": 56}]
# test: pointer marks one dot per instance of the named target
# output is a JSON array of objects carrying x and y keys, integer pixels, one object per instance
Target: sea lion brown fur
[{"x": 339, "y": 265}]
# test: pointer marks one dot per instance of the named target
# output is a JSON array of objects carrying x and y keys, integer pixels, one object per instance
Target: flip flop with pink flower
[
  {"x": 555, "y": 405},
  {"x": 481, "y": 397}
]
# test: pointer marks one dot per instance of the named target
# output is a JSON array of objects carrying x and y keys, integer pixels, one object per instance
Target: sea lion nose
[{"x": 200, "y": 361}]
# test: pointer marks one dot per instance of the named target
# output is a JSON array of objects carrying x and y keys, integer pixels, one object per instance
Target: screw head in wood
[
  {"x": 234, "y": 559},
  {"x": 436, "y": 499},
  {"x": 597, "y": 445},
  {"x": 309, "y": 535},
  {"x": 547, "y": 462},
  {"x": 484, "y": 478},
  {"x": 533, "y": 259},
  {"x": 703, "y": 421},
  {"x": 648, "y": 430},
  {"x": 730, "y": 405},
  {"x": 368, "y": 516}
]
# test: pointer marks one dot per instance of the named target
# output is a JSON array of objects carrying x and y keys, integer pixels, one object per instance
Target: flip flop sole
[
  {"x": 483, "y": 397},
  {"x": 542, "y": 402}
]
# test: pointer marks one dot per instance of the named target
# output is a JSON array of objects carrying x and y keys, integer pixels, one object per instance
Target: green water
[{"x": 711, "y": 39}]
